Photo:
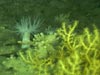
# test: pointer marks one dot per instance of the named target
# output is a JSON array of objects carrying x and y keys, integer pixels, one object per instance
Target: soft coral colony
[
  {"x": 64, "y": 52},
  {"x": 82, "y": 50}
]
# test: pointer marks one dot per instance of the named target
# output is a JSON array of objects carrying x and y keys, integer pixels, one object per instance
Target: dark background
[{"x": 86, "y": 11}]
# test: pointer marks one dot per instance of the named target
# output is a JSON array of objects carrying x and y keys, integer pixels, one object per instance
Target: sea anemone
[{"x": 25, "y": 27}]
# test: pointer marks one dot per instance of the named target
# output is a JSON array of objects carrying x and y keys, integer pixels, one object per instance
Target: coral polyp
[{"x": 25, "y": 27}]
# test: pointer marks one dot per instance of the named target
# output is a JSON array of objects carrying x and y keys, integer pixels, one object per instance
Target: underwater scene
[{"x": 49, "y": 37}]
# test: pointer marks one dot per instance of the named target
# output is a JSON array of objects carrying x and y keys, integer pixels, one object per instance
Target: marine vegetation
[{"x": 64, "y": 52}]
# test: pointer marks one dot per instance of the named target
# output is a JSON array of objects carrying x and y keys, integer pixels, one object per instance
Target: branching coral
[
  {"x": 68, "y": 35},
  {"x": 80, "y": 52},
  {"x": 90, "y": 45},
  {"x": 43, "y": 44},
  {"x": 64, "y": 52}
]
